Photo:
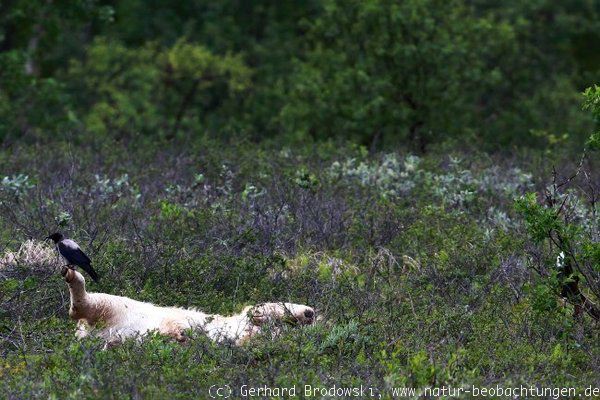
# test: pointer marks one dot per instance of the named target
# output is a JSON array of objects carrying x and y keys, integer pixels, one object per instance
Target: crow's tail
[{"x": 88, "y": 268}]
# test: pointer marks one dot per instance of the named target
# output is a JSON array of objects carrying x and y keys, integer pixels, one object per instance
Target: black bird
[{"x": 73, "y": 254}]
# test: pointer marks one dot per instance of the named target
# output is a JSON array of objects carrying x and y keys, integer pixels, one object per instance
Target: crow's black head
[{"x": 56, "y": 237}]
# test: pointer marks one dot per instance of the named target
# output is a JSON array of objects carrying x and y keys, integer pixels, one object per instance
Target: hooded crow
[{"x": 73, "y": 254}]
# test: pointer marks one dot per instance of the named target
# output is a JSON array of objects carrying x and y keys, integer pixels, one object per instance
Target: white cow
[{"x": 115, "y": 318}]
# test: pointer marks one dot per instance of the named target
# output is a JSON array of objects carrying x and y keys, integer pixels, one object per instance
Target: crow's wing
[{"x": 73, "y": 254}]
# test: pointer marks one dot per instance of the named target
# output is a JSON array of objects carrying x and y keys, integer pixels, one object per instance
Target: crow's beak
[{"x": 47, "y": 238}]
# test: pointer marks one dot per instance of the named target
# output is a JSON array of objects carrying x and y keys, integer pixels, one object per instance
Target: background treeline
[{"x": 377, "y": 72}]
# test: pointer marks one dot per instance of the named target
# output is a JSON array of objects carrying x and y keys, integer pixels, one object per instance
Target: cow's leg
[{"x": 286, "y": 312}]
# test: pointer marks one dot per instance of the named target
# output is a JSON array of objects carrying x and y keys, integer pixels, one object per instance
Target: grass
[{"x": 419, "y": 267}]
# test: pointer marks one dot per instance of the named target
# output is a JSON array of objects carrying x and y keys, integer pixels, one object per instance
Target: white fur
[{"x": 115, "y": 318}]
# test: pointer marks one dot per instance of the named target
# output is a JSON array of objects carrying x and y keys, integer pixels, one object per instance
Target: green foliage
[
  {"x": 592, "y": 103},
  {"x": 407, "y": 70},
  {"x": 16, "y": 185},
  {"x": 29, "y": 104},
  {"x": 541, "y": 221},
  {"x": 546, "y": 225},
  {"x": 567, "y": 248},
  {"x": 305, "y": 179},
  {"x": 151, "y": 89}
]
